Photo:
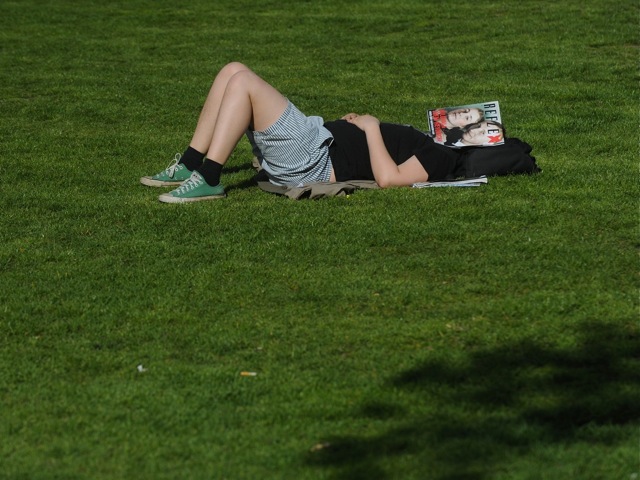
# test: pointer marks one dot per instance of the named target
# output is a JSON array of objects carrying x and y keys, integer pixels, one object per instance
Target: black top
[{"x": 350, "y": 154}]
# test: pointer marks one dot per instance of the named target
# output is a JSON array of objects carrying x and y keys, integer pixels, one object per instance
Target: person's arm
[{"x": 385, "y": 171}]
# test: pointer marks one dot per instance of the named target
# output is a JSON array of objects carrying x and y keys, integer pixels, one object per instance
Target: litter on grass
[
  {"x": 248, "y": 374},
  {"x": 141, "y": 369},
  {"x": 319, "y": 446}
]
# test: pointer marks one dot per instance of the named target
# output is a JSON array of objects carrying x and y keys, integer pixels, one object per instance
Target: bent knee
[
  {"x": 233, "y": 68},
  {"x": 242, "y": 79}
]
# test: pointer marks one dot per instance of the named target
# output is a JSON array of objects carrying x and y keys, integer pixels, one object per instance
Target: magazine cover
[{"x": 477, "y": 124}]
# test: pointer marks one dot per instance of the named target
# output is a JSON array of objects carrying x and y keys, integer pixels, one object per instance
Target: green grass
[{"x": 486, "y": 333}]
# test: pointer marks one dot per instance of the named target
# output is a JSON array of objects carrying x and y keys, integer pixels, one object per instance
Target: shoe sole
[
  {"x": 150, "y": 182},
  {"x": 167, "y": 198}
]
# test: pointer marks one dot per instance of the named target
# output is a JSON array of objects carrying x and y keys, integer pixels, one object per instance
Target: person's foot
[
  {"x": 173, "y": 175},
  {"x": 195, "y": 189}
]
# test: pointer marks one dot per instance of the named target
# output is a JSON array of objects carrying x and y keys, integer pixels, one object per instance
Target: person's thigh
[{"x": 268, "y": 104}]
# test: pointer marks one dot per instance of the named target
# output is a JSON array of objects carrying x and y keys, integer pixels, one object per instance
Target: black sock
[
  {"x": 210, "y": 171},
  {"x": 191, "y": 158}
]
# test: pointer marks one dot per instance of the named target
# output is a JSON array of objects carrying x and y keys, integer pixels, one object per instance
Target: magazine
[
  {"x": 473, "y": 125},
  {"x": 467, "y": 182}
]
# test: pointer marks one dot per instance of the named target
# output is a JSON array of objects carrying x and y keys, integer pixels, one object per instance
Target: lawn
[{"x": 452, "y": 333}]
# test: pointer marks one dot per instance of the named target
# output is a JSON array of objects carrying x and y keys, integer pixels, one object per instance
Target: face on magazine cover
[
  {"x": 461, "y": 117},
  {"x": 482, "y": 133}
]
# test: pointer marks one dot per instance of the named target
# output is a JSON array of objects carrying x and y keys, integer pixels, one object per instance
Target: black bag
[{"x": 512, "y": 157}]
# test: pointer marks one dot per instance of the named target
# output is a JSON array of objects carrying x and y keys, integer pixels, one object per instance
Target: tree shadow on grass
[{"x": 496, "y": 402}]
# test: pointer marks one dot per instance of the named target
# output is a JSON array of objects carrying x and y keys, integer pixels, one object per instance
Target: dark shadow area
[
  {"x": 495, "y": 402},
  {"x": 241, "y": 185},
  {"x": 249, "y": 183},
  {"x": 238, "y": 168}
]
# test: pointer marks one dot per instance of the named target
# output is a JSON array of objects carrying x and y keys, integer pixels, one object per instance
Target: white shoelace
[
  {"x": 194, "y": 181},
  {"x": 171, "y": 169}
]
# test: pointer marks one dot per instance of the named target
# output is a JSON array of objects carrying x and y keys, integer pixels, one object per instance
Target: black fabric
[
  {"x": 210, "y": 171},
  {"x": 191, "y": 158},
  {"x": 350, "y": 154},
  {"x": 512, "y": 157}
]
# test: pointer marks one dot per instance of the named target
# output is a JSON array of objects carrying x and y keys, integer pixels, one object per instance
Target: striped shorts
[{"x": 294, "y": 151}]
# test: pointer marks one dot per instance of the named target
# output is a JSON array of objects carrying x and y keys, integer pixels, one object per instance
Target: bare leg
[
  {"x": 209, "y": 113},
  {"x": 238, "y": 99}
]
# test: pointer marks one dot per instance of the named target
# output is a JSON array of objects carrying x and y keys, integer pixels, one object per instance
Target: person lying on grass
[{"x": 295, "y": 149}]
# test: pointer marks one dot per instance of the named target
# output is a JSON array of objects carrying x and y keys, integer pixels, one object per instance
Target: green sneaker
[
  {"x": 194, "y": 189},
  {"x": 173, "y": 175}
]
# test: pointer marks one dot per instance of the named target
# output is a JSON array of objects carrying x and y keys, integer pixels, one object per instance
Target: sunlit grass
[{"x": 441, "y": 333}]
